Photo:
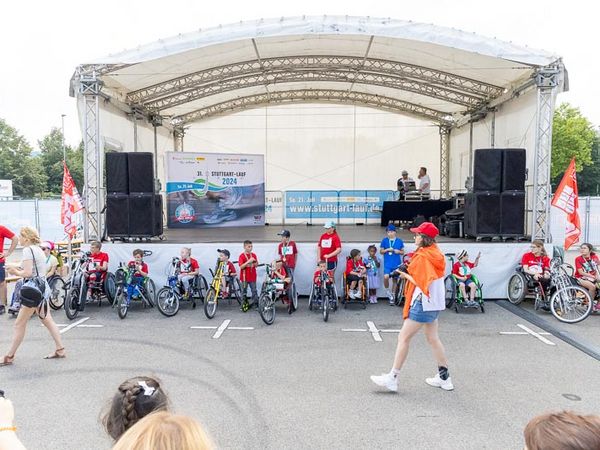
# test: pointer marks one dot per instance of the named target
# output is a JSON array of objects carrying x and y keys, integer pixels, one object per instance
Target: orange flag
[
  {"x": 566, "y": 198},
  {"x": 70, "y": 202}
]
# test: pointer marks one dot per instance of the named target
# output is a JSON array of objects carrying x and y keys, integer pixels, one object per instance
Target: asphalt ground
[{"x": 301, "y": 383}]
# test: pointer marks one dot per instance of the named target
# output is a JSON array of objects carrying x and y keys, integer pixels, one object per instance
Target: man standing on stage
[
  {"x": 424, "y": 183},
  {"x": 5, "y": 233},
  {"x": 403, "y": 184}
]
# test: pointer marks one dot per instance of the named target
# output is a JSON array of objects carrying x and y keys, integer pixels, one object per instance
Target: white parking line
[
  {"x": 528, "y": 331},
  {"x": 73, "y": 325},
  {"x": 537, "y": 335},
  {"x": 221, "y": 328},
  {"x": 375, "y": 332}
]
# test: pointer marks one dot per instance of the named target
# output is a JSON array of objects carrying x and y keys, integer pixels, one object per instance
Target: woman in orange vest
[{"x": 425, "y": 298}]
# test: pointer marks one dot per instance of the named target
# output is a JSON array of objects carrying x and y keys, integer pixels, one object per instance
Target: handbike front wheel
[
  {"x": 151, "y": 292},
  {"x": 266, "y": 308},
  {"x": 326, "y": 300},
  {"x": 167, "y": 302},
  {"x": 122, "y": 305},
  {"x": 57, "y": 293},
  {"x": 72, "y": 304},
  {"x": 210, "y": 303},
  {"x": 571, "y": 304}
]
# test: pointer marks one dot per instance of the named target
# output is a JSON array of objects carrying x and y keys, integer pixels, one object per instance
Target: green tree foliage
[
  {"x": 16, "y": 163},
  {"x": 572, "y": 136},
  {"x": 588, "y": 180},
  {"x": 52, "y": 159}
]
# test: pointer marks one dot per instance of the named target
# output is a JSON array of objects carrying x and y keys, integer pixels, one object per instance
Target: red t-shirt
[
  {"x": 288, "y": 253},
  {"x": 229, "y": 268},
  {"x": 248, "y": 273},
  {"x": 328, "y": 243},
  {"x": 188, "y": 265},
  {"x": 589, "y": 266},
  {"x": 353, "y": 266},
  {"x": 4, "y": 233},
  {"x": 97, "y": 260},
  {"x": 537, "y": 264},
  {"x": 317, "y": 276},
  {"x": 462, "y": 270},
  {"x": 281, "y": 271},
  {"x": 144, "y": 268}
]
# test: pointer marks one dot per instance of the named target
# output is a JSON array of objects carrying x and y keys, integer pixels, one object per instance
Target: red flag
[
  {"x": 70, "y": 203},
  {"x": 566, "y": 198}
]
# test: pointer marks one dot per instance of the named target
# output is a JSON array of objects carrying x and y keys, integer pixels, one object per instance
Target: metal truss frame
[
  {"x": 547, "y": 81},
  {"x": 435, "y": 78},
  {"x": 93, "y": 192},
  {"x": 325, "y": 75},
  {"x": 312, "y": 95},
  {"x": 445, "y": 161}
]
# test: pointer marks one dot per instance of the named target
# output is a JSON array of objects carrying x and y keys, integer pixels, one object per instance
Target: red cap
[{"x": 426, "y": 228}]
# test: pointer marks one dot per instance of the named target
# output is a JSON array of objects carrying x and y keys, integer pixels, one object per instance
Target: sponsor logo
[{"x": 184, "y": 213}]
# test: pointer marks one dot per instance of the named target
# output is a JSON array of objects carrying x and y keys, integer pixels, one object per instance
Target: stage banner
[
  {"x": 274, "y": 207},
  {"x": 215, "y": 190},
  {"x": 311, "y": 206}
]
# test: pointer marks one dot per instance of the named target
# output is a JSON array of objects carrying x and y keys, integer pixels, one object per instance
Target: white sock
[{"x": 394, "y": 372}]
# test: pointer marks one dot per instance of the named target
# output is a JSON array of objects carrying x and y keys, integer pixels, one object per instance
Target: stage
[{"x": 498, "y": 260}]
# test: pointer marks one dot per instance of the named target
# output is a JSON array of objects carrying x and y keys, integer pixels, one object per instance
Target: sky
[{"x": 42, "y": 42}]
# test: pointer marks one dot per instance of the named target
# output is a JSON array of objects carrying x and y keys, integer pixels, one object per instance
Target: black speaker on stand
[
  {"x": 140, "y": 166},
  {"x": 117, "y": 215},
  {"x": 487, "y": 170},
  {"x": 117, "y": 174},
  {"x": 482, "y": 214}
]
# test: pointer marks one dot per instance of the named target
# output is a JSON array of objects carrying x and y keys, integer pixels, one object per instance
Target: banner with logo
[{"x": 215, "y": 190}]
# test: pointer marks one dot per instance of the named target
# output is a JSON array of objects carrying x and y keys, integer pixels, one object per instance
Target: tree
[
  {"x": 572, "y": 136},
  {"x": 52, "y": 159},
  {"x": 588, "y": 180},
  {"x": 17, "y": 164}
]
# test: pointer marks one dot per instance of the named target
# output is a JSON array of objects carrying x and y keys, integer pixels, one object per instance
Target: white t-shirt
[
  {"x": 51, "y": 262},
  {"x": 37, "y": 255},
  {"x": 424, "y": 180}
]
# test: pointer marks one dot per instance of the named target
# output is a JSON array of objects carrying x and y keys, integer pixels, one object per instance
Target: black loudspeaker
[
  {"x": 512, "y": 205},
  {"x": 158, "y": 216},
  {"x": 141, "y": 172},
  {"x": 482, "y": 214},
  {"x": 454, "y": 228},
  {"x": 513, "y": 169},
  {"x": 117, "y": 176},
  {"x": 117, "y": 215},
  {"x": 141, "y": 215},
  {"x": 487, "y": 170}
]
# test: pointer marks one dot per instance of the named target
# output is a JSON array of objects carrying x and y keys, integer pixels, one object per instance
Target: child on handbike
[
  {"x": 355, "y": 274},
  {"x": 188, "y": 269},
  {"x": 461, "y": 270},
  {"x": 139, "y": 266}
]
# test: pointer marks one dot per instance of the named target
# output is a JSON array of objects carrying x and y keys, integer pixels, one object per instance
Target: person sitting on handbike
[{"x": 537, "y": 264}]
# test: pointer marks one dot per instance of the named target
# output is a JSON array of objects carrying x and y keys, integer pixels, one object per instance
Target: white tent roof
[{"x": 422, "y": 69}]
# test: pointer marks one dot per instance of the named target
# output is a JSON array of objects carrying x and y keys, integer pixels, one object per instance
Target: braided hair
[{"x": 132, "y": 402}]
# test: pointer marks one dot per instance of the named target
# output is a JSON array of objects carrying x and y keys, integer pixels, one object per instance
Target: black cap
[
  {"x": 284, "y": 233},
  {"x": 225, "y": 252}
]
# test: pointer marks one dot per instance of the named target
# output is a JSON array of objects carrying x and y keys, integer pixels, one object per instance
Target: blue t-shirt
[{"x": 391, "y": 260}]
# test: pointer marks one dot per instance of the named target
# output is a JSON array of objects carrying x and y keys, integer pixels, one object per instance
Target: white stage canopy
[{"x": 150, "y": 95}]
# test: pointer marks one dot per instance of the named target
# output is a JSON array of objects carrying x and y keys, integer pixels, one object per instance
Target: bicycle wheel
[
  {"x": 210, "y": 303},
  {"x": 150, "y": 291},
  {"x": 311, "y": 298},
  {"x": 399, "y": 292},
  {"x": 571, "y": 304},
  {"x": 235, "y": 290},
  {"x": 72, "y": 303},
  {"x": 201, "y": 288},
  {"x": 57, "y": 293},
  {"x": 517, "y": 288},
  {"x": 293, "y": 293},
  {"x": 450, "y": 291},
  {"x": 326, "y": 299},
  {"x": 167, "y": 302},
  {"x": 266, "y": 308},
  {"x": 82, "y": 294},
  {"x": 122, "y": 304},
  {"x": 110, "y": 287}
]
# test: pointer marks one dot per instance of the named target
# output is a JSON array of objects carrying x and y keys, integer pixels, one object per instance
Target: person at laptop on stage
[
  {"x": 424, "y": 183},
  {"x": 405, "y": 184}
]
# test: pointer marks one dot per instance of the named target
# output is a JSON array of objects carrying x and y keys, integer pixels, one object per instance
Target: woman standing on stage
[
  {"x": 425, "y": 298},
  {"x": 32, "y": 265}
]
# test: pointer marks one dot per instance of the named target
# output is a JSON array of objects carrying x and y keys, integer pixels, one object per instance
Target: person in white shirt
[{"x": 424, "y": 182}]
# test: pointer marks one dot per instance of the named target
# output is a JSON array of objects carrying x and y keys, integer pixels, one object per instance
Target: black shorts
[
  {"x": 2, "y": 272},
  {"x": 352, "y": 277}
]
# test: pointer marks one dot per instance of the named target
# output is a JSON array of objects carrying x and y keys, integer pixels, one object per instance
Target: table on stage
[{"x": 407, "y": 211}]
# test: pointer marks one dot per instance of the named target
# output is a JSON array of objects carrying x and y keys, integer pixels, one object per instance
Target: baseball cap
[
  {"x": 404, "y": 172},
  {"x": 224, "y": 251},
  {"x": 391, "y": 227},
  {"x": 426, "y": 228},
  {"x": 284, "y": 233},
  {"x": 329, "y": 224}
]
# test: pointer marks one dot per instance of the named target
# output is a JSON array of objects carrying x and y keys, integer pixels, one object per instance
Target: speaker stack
[
  {"x": 496, "y": 207},
  {"x": 133, "y": 209}
]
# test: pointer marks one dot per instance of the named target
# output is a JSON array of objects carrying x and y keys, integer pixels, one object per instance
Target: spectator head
[
  {"x": 354, "y": 253},
  {"x": 135, "y": 398},
  {"x": 29, "y": 236},
  {"x": 165, "y": 431},
  {"x": 586, "y": 249},
  {"x": 563, "y": 431},
  {"x": 423, "y": 171},
  {"x": 185, "y": 252},
  {"x": 47, "y": 247},
  {"x": 138, "y": 252},
  {"x": 248, "y": 245},
  {"x": 404, "y": 174},
  {"x": 372, "y": 250},
  {"x": 425, "y": 234},
  {"x": 537, "y": 246},
  {"x": 224, "y": 254}
]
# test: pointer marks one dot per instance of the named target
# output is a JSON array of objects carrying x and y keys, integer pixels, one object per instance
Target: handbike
[
  {"x": 169, "y": 297},
  {"x": 130, "y": 287},
  {"x": 215, "y": 291}
]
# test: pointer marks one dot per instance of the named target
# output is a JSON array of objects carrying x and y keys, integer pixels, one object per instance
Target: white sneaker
[
  {"x": 386, "y": 380},
  {"x": 438, "y": 382}
]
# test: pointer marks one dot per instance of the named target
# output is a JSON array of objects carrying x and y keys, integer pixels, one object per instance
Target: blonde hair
[
  {"x": 31, "y": 235},
  {"x": 563, "y": 431},
  {"x": 165, "y": 431},
  {"x": 540, "y": 244}
]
